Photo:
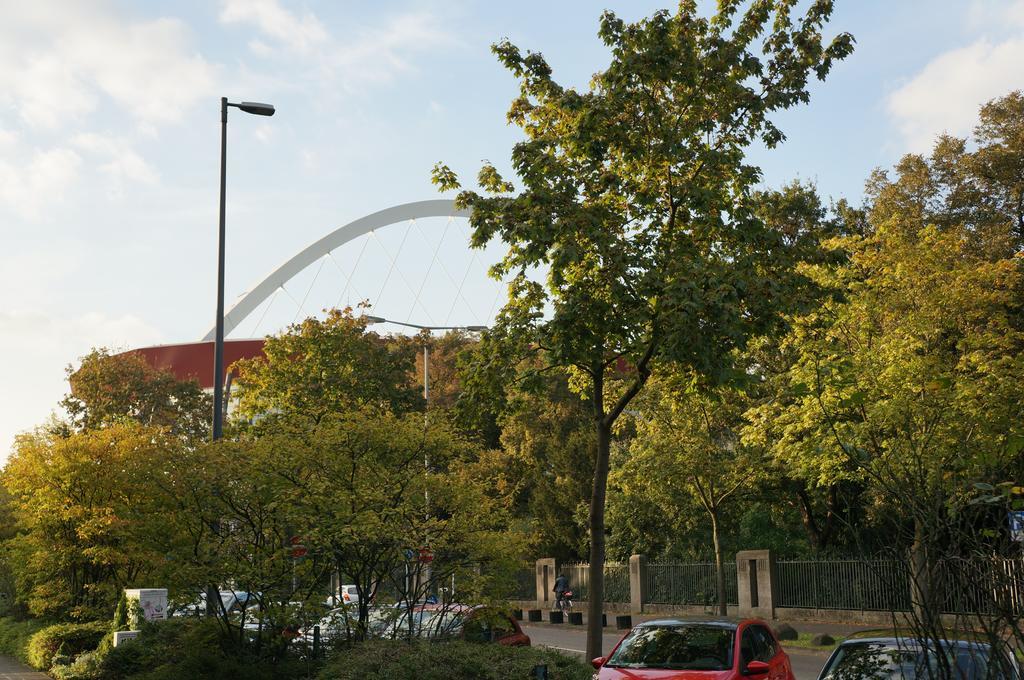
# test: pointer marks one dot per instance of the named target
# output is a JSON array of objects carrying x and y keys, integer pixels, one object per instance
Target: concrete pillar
[
  {"x": 637, "y": 583},
  {"x": 547, "y": 572},
  {"x": 755, "y": 576}
]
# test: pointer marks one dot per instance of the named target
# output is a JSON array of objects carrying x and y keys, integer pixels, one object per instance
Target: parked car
[
  {"x": 869, "y": 657},
  {"x": 436, "y": 621},
  {"x": 715, "y": 650},
  {"x": 349, "y": 595},
  {"x": 473, "y": 624},
  {"x": 232, "y": 600}
]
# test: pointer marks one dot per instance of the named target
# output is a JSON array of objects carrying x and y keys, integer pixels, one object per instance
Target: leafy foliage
[
  {"x": 66, "y": 639},
  {"x": 329, "y": 366},
  {"x": 638, "y": 201},
  {"x": 82, "y": 512},
  {"x": 455, "y": 660},
  {"x": 110, "y": 388}
]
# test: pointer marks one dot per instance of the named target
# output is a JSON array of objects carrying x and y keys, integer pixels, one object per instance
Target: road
[{"x": 573, "y": 639}]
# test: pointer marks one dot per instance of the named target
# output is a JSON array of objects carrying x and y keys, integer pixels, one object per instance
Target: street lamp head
[
  {"x": 257, "y": 108},
  {"x": 374, "y": 319},
  {"x": 476, "y": 329}
]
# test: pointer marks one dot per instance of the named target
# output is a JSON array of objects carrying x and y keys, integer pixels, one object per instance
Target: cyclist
[{"x": 560, "y": 589}]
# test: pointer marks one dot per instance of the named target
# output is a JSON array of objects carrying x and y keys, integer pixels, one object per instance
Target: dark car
[
  {"x": 906, "y": 658},
  {"x": 697, "y": 650}
]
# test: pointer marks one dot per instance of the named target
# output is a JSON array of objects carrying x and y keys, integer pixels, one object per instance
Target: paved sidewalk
[{"x": 12, "y": 669}]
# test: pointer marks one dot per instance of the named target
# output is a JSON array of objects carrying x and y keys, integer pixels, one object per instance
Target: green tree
[
  {"x": 545, "y": 463},
  {"x": 363, "y": 501},
  {"x": 978, "y": 192},
  {"x": 688, "y": 443},
  {"x": 637, "y": 201},
  {"x": 85, "y": 525},
  {"x": 330, "y": 366},
  {"x": 109, "y": 388},
  {"x": 912, "y": 384}
]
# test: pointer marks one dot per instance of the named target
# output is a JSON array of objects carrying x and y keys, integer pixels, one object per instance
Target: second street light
[
  {"x": 426, "y": 349},
  {"x": 212, "y": 593},
  {"x": 425, "y": 574}
]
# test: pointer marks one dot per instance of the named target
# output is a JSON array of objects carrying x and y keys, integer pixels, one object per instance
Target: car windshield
[
  {"x": 677, "y": 647},
  {"x": 881, "y": 661}
]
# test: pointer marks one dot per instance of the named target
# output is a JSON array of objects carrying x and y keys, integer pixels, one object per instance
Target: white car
[{"x": 349, "y": 595}]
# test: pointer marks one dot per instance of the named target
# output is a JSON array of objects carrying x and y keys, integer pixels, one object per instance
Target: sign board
[
  {"x": 1017, "y": 526},
  {"x": 425, "y": 555},
  {"x": 123, "y": 635},
  {"x": 151, "y": 601}
]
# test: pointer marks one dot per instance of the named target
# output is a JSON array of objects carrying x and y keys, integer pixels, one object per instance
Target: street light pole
[
  {"x": 212, "y": 593},
  {"x": 218, "y": 344}
]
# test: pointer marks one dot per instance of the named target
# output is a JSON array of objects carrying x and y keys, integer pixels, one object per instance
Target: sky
[{"x": 109, "y": 150}]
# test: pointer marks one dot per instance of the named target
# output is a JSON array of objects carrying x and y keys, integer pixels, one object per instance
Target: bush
[
  {"x": 187, "y": 648},
  {"x": 66, "y": 639},
  {"x": 88, "y": 666},
  {"x": 14, "y": 636},
  {"x": 454, "y": 660}
]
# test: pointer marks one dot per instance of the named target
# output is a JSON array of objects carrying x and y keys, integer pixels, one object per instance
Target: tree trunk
[
  {"x": 719, "y": 567},
  {"x": 922, "y": 586},
  {"x": 595, "y": 596}
]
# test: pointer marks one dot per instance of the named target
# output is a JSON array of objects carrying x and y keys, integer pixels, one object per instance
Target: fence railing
[
  {"x": 867, "y": 585},
  {"x": 981, "y": 586},
  {"x": 616, "y": 581},
  {"x": 694, "y": 583},
  {"x": 526, "y": 584}
]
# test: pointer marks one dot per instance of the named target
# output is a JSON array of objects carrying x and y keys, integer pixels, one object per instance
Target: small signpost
[
  {"x": 124, "y": 635},
  {"x": 1017, "y": 525},
  {"x": 424, "y": 555},
  {"x": 298, "y": 549}
]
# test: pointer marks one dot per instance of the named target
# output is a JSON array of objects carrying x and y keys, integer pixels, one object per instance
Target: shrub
[
  {"x": 14, "y": 636},
  {"x": 454, "y": 660},
  {"x": 121, "y": 615},
  {"x": 187, "y": 648},
  {"x": 88, "y": 666},
  {"x": 66, "y": 639}
]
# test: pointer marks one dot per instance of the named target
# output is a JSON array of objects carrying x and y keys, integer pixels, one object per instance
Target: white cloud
[
  {"x": 985, "y": 14},
  {"x": 264, "y": 132},
  {"x": 35, "y": 348},
  {"x": 60, "y": 60},
  {"x": 944, "y": 97},
  {"x": 122, "y": 162},
  {"x": 374, "y": 54},
  {"x": 29, "y": 186},
  {"x": 299, "y": 34}
]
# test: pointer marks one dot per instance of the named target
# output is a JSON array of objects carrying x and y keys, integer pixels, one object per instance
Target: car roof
[
  {"x": 729, "y": 625},
  {"x": 910, "y": 642}
]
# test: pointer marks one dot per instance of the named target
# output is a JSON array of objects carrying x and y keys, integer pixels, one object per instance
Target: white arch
[{"x": 340, "y": 236}]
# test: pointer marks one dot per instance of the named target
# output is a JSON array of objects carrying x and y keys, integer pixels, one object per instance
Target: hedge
[
  {"x": 454, "y": 660},
  {"x": 67, "y": 640},
  {"x": 15, "y": 634}
]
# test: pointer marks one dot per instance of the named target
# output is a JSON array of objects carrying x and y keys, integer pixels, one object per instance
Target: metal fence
[
  {"x": 526, "y": 584},
  {"x": 693, "y": 583},
  {"x": 616, "y": 581},
  {"x": 867, "y": 585},
  {"x": 981, "y": 586}
]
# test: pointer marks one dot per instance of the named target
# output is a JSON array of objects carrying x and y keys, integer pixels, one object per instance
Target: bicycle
[{"x": 564, "y": 603}]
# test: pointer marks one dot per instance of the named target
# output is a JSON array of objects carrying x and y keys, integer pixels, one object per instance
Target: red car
[
  {"x": 475, "y": 624},
  {"x": 672, "y": 649}
]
